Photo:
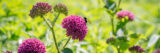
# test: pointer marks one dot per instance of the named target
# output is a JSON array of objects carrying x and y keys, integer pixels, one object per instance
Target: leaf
[
  {"x": 134, "y": 35},
  {"x": 123, "y": 45},
  {"x": 14, "y": 36},
  {"x": 122, "y": 38},
  {"x": 1, "y": 33},
  {"x": 121, "y": 24},
  {"x": 110, "y": 5},
  {"x": 67, "y": 50},
  {"x": 157, "y": 46},
  {"x": 110, "y": 49},
  {"x": 134, "y": 38},
  {"x": 153, "y": 40}
]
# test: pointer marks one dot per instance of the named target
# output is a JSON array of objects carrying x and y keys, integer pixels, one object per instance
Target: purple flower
[
  {"x": 156, "y": 51},
  {"x": 123, "y": 14},
  {"x": 110, "y": 40},
  {"x": 40, "y": 9},
  {"x": 76, "y": 27},
  {"x": 137, "y": 49},
  {"x": 32, "y": 46},
  {"x": 61, "y": 8}
]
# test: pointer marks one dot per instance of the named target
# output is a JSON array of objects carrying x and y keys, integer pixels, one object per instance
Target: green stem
[
  {"x": 55, "y": 40},
  {"x": 112, "y": 18},
  {"x": 51, "y": 27},
  {"x": 55, "y": 19},
  {"x": 125, "y": 30},
  {"x": 67, "y": 42},
  {"x": 118, "y": 50},
  {"x": 119, "y": 3},
  {"x": 112, "y": 22}
]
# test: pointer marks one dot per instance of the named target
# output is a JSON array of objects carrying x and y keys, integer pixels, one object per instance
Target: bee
[{"x": 85, "y": 19}]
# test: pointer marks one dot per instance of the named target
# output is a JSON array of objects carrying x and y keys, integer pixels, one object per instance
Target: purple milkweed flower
[
  {"x": 75, "y": 26},
  {"x": 32, "y": 46},
  {"x": 40, "y": 9},
  {"x": 61, "y": 8},
  {"x": 156, "y": 51},
  {"x": 123, "y": 14},
  {"x": 137, "y": 49}
]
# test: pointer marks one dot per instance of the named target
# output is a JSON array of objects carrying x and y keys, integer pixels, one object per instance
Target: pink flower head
[
  {"x": 32, "y": 46},
  {"x": 156, "y": 51},
  {"x": 123, "y": 14},
  {"x": 75, "y": 26},
  {"x": 40, "y": 9}
]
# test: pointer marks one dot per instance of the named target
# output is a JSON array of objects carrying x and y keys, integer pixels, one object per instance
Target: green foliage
[
  {"x": 16, "y": 25},
  {"x": 110, "y": 5},
  {"x": 67, "y": 50}
]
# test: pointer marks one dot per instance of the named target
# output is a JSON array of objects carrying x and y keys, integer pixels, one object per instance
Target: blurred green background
[{"x": 16, "y": 25}]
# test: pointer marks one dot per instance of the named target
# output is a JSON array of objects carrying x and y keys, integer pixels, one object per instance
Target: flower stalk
[
  {"x": 52, "y": 29},
  {"x": 67, "y": 42},
  {"x": 118, "y": 50},
  {"x": 112, "y": 22},
  {"x": 119, "y": 2},
  {"x": 55, "y": 19}
]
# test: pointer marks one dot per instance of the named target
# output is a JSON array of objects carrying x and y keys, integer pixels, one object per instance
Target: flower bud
[
  {"x": 110, "y": 40},
  {"x": 61, "y": 8},
  {"x": 136, "y": 49}
]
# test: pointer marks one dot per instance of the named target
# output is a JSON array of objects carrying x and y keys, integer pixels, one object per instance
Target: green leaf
[
  {"x": 134, "y": 35},
  {"x": 122, "y": 38},
  {"x": 123, "y": 45},
  {"x": 67, "y": 50},
  {"x": 121, "y": 25},
  {"x": 1, "y": 33},
  {"x": 14, "y": 36},
  {"x": 157, "y": 46},
  {"x": 123, "y": 42},
  {"x": 134, "y": 38},
  {"x": 153, "y": 40},
  {"x": 110, "y": 5}
]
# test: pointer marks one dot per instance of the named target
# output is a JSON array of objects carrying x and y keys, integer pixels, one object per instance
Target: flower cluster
[
  {"x": 123, "y": 14},
  {"x": 156, "y": 51},
  {"x": 109, "y": 40},
  {"x": 32, "y": 46},
  {"x": 40, "y": 9},
  {"x": 76, "y": 27},
  {"x": 61, "y": 8},
  {"x": 137, "y": 49}
]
